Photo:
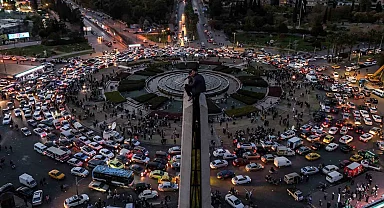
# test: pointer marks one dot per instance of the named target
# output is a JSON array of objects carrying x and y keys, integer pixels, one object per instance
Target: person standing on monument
[{"x": 196, "y": 85}]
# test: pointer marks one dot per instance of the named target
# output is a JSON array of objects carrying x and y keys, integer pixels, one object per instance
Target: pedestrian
[
  {"x": 6, "y": 148},
  {"x": 44, "y": 181},
  {"x": 325, "y": 196},
  {"x": 26, "y": 202},
  {"x": 41, "y": 183},
  {"x": 320, "y": 203},
  {"x": 329, "y": 204},
  {"x": 367, "y": 199},
  {"x": 339, "y": 189},
  {"x": 10, "y": 148},
  {"x": 352, "y": 182}
]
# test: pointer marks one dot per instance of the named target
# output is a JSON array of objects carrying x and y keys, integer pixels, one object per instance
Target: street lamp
[{"x": 234, "y": 39}]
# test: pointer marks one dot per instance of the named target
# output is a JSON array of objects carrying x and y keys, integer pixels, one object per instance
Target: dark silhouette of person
[{"x": 196, "y": 85}]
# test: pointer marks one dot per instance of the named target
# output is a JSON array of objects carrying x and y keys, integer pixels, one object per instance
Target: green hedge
[
  {"x": 257, "y": 95},
  {"x": 157, "y": 102},
  {"x": 131, "y": 85},
  {"x": 255, "y": 81},
  {"x": 144, "y": 98},
  {"x": 212, "y": 107},
  {"x": 145, "y": 73},
  {"x": 226, "y": 69},
  {"x": 243, "y": 111},
  {"x": 154, "y": 69},
  {"x": 114, "y": 97},
  {"x": 245, "y": 99},
  {"x": 256, "y": 72}
]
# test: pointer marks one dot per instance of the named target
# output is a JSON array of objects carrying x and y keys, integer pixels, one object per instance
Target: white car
[
  {"x": 316, "y": 129},
  {"x": 139, "y": 158},
  {"x": 107, "y": 153},
  {"x": 220, "y": 152},
  {"x": 88, "y": 151},
  {"x": 40, "y": 132},
  {"x": 98, "y": 139},
  {"x": 98, "y": 186},
  {"x": 331, "y": 147},
  {"x": 7, "y": 119},
  {"x": 335, "y": 75},
  {"x": 148, "y": 194},
  {"x": 17, "y": 112},
  {"x": 229, "y": 156},
  {"x": 330, "y": 168},
  {"x": 25, "y": 131},
  {"x": 346, "y": 139},
  {"x": 368, "y": 121},
  {"x": 377, "y": 118},
  {"x": 333, "y": 130},
  {"x": 345, "y": 115},
  {"x": 75, "y": 162},
  {"x": 241, "y": 179},
  {"x": 373, "y": 109},
  {"x": 65, "y": 128},
  {"x": 288, "y": 134},
  {"x": 79, "y": 171},
  {"x": 375, "y": 130},
  {"x": 343, "y": 130},
  {"x": 309, "y": 170},
  {"x": 248, "y": 146},
  {"x": 233, "y": 201},
  {"x": 96, "y": 146},
  {"x": 84, "y": 140},
  {"x": 218, "y": 164},
  {"x": 76, "y": 200},
  {"x": 356, "y": 113},
  {"x": 365, "y": 137},
  {"x": 174, "y": 150},
  {"x": 364, "y": 113},
  {"x": 37, "y": 198},
  {"x": 100, "y": 157}
]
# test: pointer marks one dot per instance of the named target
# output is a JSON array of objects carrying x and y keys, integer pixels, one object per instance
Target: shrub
[
  {"x": 131, "y": 85},
  {"x": 257, "y": 95},
  {"x": 255, "y": 72},
  {"x": 157, "y": 102},
  {"x": 144, "y": 98},
  {"x": 253, "y": 81},
  {"x": 275, "y": 91},
  {"x": 243, "y": 98},
  {"x": 220, "y": 68},
  {"x": 145, "y": 73},
  {"x": 212, "y": 107},
  {"x": 243, "y": 111},
  {"x": 114, "y": 97}
]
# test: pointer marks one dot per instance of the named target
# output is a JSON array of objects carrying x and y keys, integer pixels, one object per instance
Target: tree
[
  {"x": 365, "y": 5},
  {"x": 282, "y": 28},
  {"x": 379, "y": 8},
  {"x": 216, "y": 8},
  {"x": 352, "y": 40},
  {"x": 317, "y": 29}
]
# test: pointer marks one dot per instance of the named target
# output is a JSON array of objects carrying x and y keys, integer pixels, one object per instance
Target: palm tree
[
  {"x": 371, "y": 35},
  {"x": 352, "y": 40}
]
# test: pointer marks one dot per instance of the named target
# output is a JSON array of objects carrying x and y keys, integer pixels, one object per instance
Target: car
[
  {"x": 368, "y": 121},
  {"x": 37, "y": 198},
  {"x": 56, "y": 174},
  {"x": 66, "y": 150},
  {"x": 96, "y": 146},
  {"x": 241, "y": 179},
  {"x": 156, "y": 174},
  {"x": 65, "y": 128},
  {"x": 312, "y": 156},
  {"x": 81, "y": 156},
  {"x": 239, "y": 162},
  {"x": 375, "y": 131},
  {"x": 17, "y": 112},
  {"x": 107, "y": 153},
  {"x": 174, "y": 150},
  {"x": 254, "y": 167},
  {"x": 111, "y": 144},
  {"x": 248, "y": 146},
  {"x": 7, "y": 119},
  {"x": 233, "y": 201},
  {"x": 364, "y": 113},
  {"x": 98, "y": 139},
  {"x": 267, "y": 158},
  {"x": 98, "y": 186},
  {"x": 75, "y": 162},
  {"x": 287, "y": 135},
  {"x": 79, "y": 171},
  {"x": 226, "y": 156},
  {"x": 309, "y": 170},
  {"x": 359, "y": 129},
  {"x": 148, "y": 194},
  {"x": 346, "y": 139},
  {"x": 76, "y": 200},
  {"x": 333, "y": 130},
  {"x": 140, "y": 187},
  {"x": 25, "y": 131},
  {"x": 365, "y": 137},
  {"x": 84, "y": 140},
  {"x": 343, "y": 130},
  {"x": 313, "y": 138},
  {"x": 218, "y": 164},
  {"x": 303, "y": 150},
  {"x": 329, "y": 168},
  {"x": 24, "y": 192},
  {"x": 357, "y": 120},
  {"x": 137, "y": 169},
  {"x": 88, "y": 151},
  {"x": 139, "y": 158},
  {"x": 115, "y": 164},
  {"x": 100, "y": 157},
  {"x": 328, "y": 139},
  {"x": 377, "y": 118},
  {"x": 27, "y": 113},
  {"x": 331, "y": 147},
  {"x": 356, "y": 158},
  {"x": 40, "y": 132},
  {"x": 317, "y": 146},
  {"x": 344, "y": 163},
  {"x": 380, "y": 144},
  {"x": 251, "y": 156},
  {"x": 347, "y": 148},
  {"x": 167, "y": 186},
  {"x": 220, "y": 152}
]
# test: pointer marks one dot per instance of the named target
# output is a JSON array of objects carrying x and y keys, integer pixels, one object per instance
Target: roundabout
[{"x": 172, "y": 83}]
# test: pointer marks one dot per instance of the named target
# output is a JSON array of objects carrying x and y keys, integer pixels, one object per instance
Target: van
[
  {"x": 292, "y": 178},
  {"x": 57, "y": 154},
  {"x": 294, "y": 142},
  {"x": 39, "y": 147},
  {"x": 27, "y": 180},
  {"x": 378, "y": 92},
  {"x": 334, "y": 176},
  {"x": 281, "y": 162},
  {"x": 284, "y": 151}
]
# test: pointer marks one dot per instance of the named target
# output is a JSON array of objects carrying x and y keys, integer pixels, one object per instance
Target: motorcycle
[{"x": 235, "y": 192}]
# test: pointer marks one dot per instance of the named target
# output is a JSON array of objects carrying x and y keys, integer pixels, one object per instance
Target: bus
[
  {"x": 57, "y": 154},
  {"x": 118, "y": 177}
]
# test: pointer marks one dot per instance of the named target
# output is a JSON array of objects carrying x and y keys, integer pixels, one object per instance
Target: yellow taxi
[
  {"x": 157, "y": 174},
  {"x": 328, "y": 139},
  {"x": 329, "y": 94},
  {"x": 356, "y": 158},
  {"x": 115, "y": 164},
  {"x": 312, "y": 156},
  {"x": 56, "y": 174},
  {"x": 335, "y": 66},
  {"x": 166, "y": 178}
]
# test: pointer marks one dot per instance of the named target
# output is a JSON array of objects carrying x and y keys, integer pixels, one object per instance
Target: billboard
[{"x": 18, "y": 35}]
